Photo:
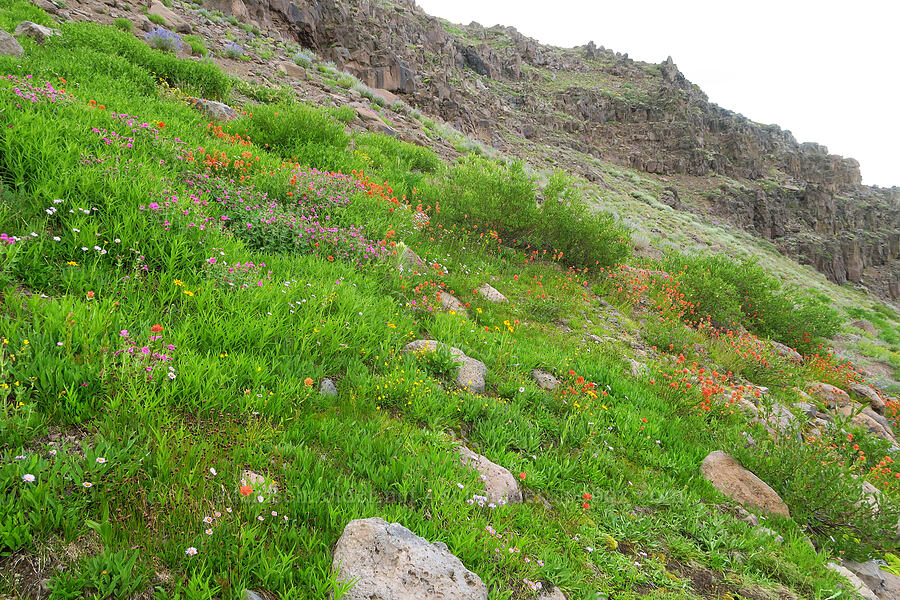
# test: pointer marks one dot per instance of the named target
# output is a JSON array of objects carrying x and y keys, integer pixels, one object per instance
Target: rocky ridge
[{"x": 584, "y": 103}]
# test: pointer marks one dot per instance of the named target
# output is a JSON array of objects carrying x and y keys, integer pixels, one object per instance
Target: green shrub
[
  {"x": 156, "y": 19},
  {"x": 202, "y": 78},
  {"x": 823, "y": 490},
  {"x": 741, "y": 293},
  {"x": 123, "y": 25},
  {"x": 232, "y": 20},
  {"x": 344, "y": 114},
  {"x": 386, "y": 150},
  {"x": 501, "y": 198},
  {"x": 198, "y": 47}
]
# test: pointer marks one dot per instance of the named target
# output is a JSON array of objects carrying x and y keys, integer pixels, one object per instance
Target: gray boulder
[
  {"x": 390, "y": 562},
  {"x": 885, "y": 585},
  {"x": 490, "y": 294},
  {"x": 38, "y": 33},
  {"x": 452, "y": 303},
  {"x": 217, "y": 111},
  {"x": 500, "y": 485},
  {"x": 544, "y": 380},
  {"x": 856, "y": 583},
  {"x": 327, "y": 388},
  {"x": 866, "y": 394},
  {"x": 9, "y": 45}
]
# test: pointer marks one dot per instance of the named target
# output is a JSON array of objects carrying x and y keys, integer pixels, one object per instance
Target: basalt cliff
[{"x": 571, "y": 107}]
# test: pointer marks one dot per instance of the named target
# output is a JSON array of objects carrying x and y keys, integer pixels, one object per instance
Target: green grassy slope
[{"x": 174, "y": 292}]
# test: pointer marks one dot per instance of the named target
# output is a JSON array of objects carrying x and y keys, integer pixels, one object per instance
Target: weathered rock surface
[
  {"x": 787, "y": 352},
  {"x": 10, "y": 45},
  {"x": 869, "y": 420},
  {"x": 831, "y": 395},
  {"x": 173, "y": 20},
  {"x": 327, "y": 388},
  {"x": 390, "y": 562},
  {"x": 259, "y": 483},
  {"x": 856, "y": 583},
  {"x": 544, "y": 380},
  {"x": 886, "y": 586},
  {"x": 451, "y": 303},
  {"x": 729, "y": 477},
  {"x": 858, "y": 391},
  {"x": 552, "y": 594},
  {"x": 471, "y": 372},
  {"x": 38, "y": 33},
  {"x": 500, "y": 485},
  {"x": 218, "y": 111},
  {"x": 490, "y": 294}
]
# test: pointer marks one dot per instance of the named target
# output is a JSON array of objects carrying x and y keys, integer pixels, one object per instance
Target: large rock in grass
[
  {"x": 499, "y": 484},
  {"x": 787, "y": 352},
  {"x": 38, "y": 33},
  {"x": 390, "y": 562},
  {"x": 869, "y": 420},
  {"x": 544, "y": 380},
  {"x": 217, "y": 111},
  {"x": 856, "y": 583},
  {"x": 866, "y": 394},
  {"x": 450, "y": 302},
  {"x": 729, "y": 477},
  {"x": 470, "y": 372},
  {"x": 173, "y": 21},
  {"x": 9, "y": 45},
  {"x": 490, "y": 294},
  {"x": 886, "y": 586},
  {"x": 832, "y": 396}
]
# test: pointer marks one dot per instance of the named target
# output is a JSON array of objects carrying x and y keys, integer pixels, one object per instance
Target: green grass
[{"x": 154, "y": 231}]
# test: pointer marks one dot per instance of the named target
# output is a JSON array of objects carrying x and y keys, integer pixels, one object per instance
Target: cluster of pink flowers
[
  {"x": 26, "y": 89},
  {"x": 146, "y": 358}
]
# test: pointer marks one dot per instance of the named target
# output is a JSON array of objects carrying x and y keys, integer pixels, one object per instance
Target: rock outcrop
[
  {"x": 729, "y": 477},
  {"x": 390, "y": 562},
  {"x": 9, "y": 45}
]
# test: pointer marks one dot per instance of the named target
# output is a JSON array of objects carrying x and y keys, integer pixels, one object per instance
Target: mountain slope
[{"x": 235, "y": 333}]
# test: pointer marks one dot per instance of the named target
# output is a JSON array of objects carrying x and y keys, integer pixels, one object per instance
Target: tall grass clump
[{"x": 204, "y": 79}]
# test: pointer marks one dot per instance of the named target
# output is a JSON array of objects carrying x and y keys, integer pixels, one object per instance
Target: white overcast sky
[{"x": 827, "y": 71}]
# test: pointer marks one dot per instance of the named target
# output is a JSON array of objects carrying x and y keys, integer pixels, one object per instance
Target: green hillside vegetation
[{"x": 175, "y": 291}]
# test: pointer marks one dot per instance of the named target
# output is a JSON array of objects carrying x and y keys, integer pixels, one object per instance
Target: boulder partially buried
[
  {"x": 470, "y": 372},
  {"x": 832, "y": 396},
  {"x": 866, "y": 394},
  {"x": 490, "y": 294},
  {"x": 450, "y": 302},
  {"x": 218, "y": 111},
  {"x": 544, "y": 380},
  {"x": 786, "y": 352},
  {"x": 10, "y": 45},
  {"x": 38, "y": 33},
  {"x": 389, "y": 562},
  {"x": 869, "y": 420},
  {"x": 500, "y": 485},
  {"x": 729, "y": 477}
]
